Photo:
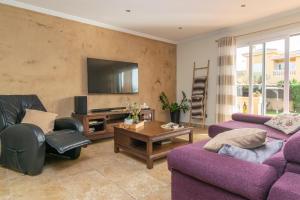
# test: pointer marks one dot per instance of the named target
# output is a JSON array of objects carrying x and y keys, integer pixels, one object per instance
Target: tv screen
[{"x": 112, "y": 77}]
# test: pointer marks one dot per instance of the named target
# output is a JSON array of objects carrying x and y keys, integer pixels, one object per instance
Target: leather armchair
[{"x": 24, "y": 146}]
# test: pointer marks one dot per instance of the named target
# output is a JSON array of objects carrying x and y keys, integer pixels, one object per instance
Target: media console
[{"x": 99, "y": 125}]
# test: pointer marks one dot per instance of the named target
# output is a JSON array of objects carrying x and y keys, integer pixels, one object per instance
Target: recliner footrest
[{"x": 65, "y": 140}]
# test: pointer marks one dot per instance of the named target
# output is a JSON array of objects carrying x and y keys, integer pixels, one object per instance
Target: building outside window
[{"x": 268, "y": 77}]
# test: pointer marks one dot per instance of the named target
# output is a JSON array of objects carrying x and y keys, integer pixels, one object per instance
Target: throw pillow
[
  {"x": 247, "y": 138},
  {"x": 287, "y": 123},
  {"x": 44, "y": 120},
  {"x": 258, "y": 155}
]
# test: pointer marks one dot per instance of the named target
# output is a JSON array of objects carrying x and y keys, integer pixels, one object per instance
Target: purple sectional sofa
[{"x": 198, "y": 174}]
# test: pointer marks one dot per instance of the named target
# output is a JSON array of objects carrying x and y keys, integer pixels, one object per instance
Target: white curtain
[{"x": 226, "y": 93}]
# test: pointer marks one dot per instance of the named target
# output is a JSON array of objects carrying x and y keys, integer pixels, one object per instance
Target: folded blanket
[{"x": 258, "y": 155}]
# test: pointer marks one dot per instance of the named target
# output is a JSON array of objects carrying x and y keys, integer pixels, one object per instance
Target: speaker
[{"x": 80, "y": 105}]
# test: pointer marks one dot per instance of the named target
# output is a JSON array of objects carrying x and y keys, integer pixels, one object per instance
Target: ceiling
[{"x": 160, "y": 19}]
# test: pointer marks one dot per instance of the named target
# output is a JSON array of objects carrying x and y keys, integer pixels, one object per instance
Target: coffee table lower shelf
[
  {"x": 159, "y": 150},
  {"x": 148, "y": 150}
]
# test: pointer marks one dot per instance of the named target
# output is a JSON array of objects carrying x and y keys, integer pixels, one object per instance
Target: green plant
[
  {"x": 135, "y": 110},
  {"x": 174, "y": 106},
  {"x": 294, "y": 90},
  {"x": 295, "y": 94}
]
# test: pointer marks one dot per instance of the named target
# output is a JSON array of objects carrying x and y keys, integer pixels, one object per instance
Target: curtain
[{"x": 226, "y": 92}]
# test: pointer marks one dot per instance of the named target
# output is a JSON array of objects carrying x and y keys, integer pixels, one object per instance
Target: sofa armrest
[
  {"x": 26, "y": 131},
  {"x": 250, "y": 118},
  {"x": 68, "y": 123},
  {"x": 23, "y": 148},
  {"x": 214, "y": 130},
  {"x": 249, "y": 180}
]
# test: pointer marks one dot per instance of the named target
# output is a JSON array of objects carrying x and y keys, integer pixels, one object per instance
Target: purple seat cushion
[
  {"x": 292, "y": 148},
  {"x": 278, "y": 162},
  {"x": 185, "y": 187},
  {"x": 293, "y": 167},
  {"x": 243, "y": 178},
  {"x": 257, "y": 119},
  {"x": 213, "y": 130},
  {"x": 287, "y": 187}
]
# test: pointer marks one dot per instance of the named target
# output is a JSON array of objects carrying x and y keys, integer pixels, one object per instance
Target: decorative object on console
[
  {"x": 174, "y": 107},
  {"x": 133, "y": 119},
  {"x": 134, "y": 110},
  {"x": 287, "y": 123}
]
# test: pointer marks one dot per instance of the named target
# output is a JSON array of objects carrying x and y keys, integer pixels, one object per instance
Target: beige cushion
[
  {"x": 247, "y": 138},
  {"x": 287, "y": 123},
  {"x": 44, "y": 120}
]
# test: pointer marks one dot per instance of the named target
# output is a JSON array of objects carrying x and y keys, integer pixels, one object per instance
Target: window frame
[{"x": 250, "y": 44}]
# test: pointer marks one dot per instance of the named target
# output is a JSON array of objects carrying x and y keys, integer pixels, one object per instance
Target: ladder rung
[{"x": 201, "y": 67}]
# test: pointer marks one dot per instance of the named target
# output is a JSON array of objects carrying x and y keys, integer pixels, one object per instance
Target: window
[{"x": 268, "y": 77}]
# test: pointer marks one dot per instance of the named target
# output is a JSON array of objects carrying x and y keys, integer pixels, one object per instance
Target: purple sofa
[{"x": 198, "y": 174}]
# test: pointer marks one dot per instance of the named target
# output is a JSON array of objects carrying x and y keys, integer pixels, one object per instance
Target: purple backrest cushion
[
  {"x": 292, "y": 148},
  {"x": 257, "y": 119}
]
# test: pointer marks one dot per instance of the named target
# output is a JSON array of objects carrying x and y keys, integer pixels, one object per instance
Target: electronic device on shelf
[{"x": 107, "y": 109}]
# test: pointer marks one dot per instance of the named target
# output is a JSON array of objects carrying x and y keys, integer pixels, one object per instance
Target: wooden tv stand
[{"x": 100, "y": 125}]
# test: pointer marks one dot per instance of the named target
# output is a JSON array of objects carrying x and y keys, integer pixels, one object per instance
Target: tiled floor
[{"x": 99, "y": 173}]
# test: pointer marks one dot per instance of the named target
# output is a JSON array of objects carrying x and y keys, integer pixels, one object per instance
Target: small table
[{"x": 150, "y": 142}]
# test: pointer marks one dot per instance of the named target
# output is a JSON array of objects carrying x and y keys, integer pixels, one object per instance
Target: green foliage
[
  {"x": 295, "y": 93},
  {"x": 294, "y": 90},
  {"x": 174, "y": 106}
]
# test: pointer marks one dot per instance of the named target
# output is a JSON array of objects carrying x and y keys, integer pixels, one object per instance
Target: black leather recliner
[{"x": 24, "y": 146}]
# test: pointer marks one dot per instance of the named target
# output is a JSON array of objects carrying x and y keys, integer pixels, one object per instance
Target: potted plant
[{"x": 174, "y": 107}]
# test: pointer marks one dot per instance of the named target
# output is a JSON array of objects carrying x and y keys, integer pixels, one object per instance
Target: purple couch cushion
[
  {"x": 278, "y": 162},
  {"x": 257, "y": 119},
  {"x": 287, "y": 187},
  {"x": 292, "y": 167},
  {"x": 243, "y": 178},
  {"x": 185, "y": 187},
  {"x": 292, "y": 148},
  {"x": 213, "y": 130}
]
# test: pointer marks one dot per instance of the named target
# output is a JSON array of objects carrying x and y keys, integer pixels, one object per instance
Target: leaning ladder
[{"x": 199, "y": 94}]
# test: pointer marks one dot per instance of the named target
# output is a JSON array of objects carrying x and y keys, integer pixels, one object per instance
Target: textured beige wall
[{"x": 46, "y": 55}]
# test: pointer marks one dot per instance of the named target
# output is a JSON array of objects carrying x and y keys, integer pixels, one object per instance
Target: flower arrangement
[{"x": 135, "y": 110}]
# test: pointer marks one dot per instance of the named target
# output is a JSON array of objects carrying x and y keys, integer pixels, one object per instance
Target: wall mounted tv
[{"x": 112, "y": 77}]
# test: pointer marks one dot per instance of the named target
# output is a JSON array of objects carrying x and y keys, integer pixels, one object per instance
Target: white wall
[{"x": 203, "y": 48}]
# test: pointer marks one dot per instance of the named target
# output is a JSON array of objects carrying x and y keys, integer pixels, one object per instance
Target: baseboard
[{"x": 194, "y": 125}]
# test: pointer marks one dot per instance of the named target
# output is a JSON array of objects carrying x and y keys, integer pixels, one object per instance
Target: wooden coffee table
[{"x": 150, "y": 142}]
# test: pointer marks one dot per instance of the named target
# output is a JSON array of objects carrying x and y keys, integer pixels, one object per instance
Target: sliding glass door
[
  {"x": 275, "y": 67},
  {"x": 294, "y": 72},
  {"x": 268, "y": 77}
]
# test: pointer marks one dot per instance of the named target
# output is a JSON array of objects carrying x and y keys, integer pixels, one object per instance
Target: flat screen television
[{"x": 112, "y": 77}]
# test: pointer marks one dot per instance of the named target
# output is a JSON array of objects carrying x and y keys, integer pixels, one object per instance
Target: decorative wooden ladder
[{"x": 199, "y": 94}]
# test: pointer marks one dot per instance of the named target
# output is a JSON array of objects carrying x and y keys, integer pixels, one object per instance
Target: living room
[{"x": 138, "y": 100}]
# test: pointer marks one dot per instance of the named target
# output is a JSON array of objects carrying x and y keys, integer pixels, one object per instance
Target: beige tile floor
[{"x": 99, "y": 174}]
